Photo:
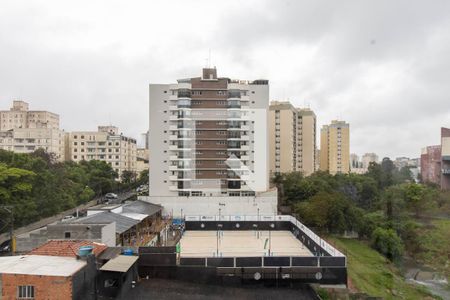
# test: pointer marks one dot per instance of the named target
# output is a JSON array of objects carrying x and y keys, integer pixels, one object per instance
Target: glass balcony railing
[
  {"x": 184, "y": 94},
  {"x": 185, "y": 103},
  {"x": 234, "y": 94},
  {"x": 234, "y": 104}
]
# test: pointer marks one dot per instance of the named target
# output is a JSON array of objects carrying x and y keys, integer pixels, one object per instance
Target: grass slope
[
  {"x": 435, "y": 246},
  {"x": 371, "y": 273}
]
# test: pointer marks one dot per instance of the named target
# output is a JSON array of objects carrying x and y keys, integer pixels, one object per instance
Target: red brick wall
[{"x": 45, "y": 287}]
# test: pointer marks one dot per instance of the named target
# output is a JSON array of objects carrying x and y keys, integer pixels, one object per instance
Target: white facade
[{"x": 208, "y": 138}]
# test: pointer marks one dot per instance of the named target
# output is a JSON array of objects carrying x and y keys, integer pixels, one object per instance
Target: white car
[{"x": 67, "y": 218}]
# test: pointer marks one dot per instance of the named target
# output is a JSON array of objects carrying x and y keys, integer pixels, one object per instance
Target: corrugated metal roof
[
  {"x": 122, "y": 223},
  {"x": 141, "y": 207},
  {"x": 121, "y": 263}
]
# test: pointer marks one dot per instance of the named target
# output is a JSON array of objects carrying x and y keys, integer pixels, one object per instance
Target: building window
[
  {"x": 67, "y": 235},
  {"x": 25, "y": 292}
]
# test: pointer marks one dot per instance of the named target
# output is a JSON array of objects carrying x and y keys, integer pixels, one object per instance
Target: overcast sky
[{"x": 382, "y": 66}]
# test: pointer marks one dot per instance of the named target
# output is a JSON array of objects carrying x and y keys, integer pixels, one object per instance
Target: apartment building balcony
[
  {"x": 245, "y": 147},
  {"x": 185, "y": 85},
  {"x": 173, "y": 178},
  {"x": 446, "y": 171},
  {"x": 173, "y": 117},
  {"x": 184, "y": 103},
  {"x": 173, "y": 168},
  {"x": 234, "y": 94},
  {"x": 184, "y": 94},
  {"x": 173, "y": 147},
  {"x": 446, "y": 157},
  {"x": 234, "y": 104}
]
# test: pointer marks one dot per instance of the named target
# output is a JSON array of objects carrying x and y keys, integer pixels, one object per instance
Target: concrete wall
[
  {"x": 109, "y": 234},
  {"x": 159, "y": 131},
  {"x": 83, "y": 282},
  {"x": 102, "y": 233},
  {"x": 31, "y": 240},
  {"x": 210, "y": 205}
]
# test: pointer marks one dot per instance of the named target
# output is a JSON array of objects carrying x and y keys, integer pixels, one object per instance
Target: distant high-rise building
[
  {"x": 106, "y": 144},
  {"x": 356, "y": 165},
  {"x": 354, "y": 160},
  {"x": 144, "y": 140},
  {"x": 445, "y": 158},
  {"x": 367, "y": 158},
  {"x": 335, "y": 147},
  {"x": 24, "y": 131},
  {"x": 430, "y": 164},
  {"x": 292, "y": 138},
  {"x": 435, "y": 162},
  {"x": 208, "y": 145}
]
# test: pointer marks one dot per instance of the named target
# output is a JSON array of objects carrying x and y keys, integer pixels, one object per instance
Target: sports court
[{"x": 243, "y": 243}]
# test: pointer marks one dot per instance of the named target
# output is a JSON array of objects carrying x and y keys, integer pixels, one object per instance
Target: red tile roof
[{"x": 66, "y": 248}]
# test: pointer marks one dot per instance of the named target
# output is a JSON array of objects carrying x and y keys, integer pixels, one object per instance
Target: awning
[{"x": 121, "y": 263}]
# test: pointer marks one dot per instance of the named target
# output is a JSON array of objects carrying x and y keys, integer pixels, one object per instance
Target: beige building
[
  {"x": 335, "y": 147},
  {"x": 20, "y": 117},
  {"x": 142, "y": 158},
  {"x": 106, "y": 144},
  {"x": 292, "y": 138},
  {"x": 24, "y": 131}
]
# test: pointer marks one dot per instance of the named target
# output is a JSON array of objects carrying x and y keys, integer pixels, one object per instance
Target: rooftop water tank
[{"x": 85, "y": 250}]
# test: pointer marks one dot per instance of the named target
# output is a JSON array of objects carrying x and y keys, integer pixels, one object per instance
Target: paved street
[{"x": 5, "y": 236}]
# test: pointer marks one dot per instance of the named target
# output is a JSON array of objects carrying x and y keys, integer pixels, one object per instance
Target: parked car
[
  {"x": 5, "y": 247},
  {"x": 111, "y": 196},
  {"x": 67, "y": 218}
]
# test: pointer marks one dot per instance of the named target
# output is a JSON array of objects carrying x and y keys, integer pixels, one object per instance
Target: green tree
[{"x": 387, "y": 242}]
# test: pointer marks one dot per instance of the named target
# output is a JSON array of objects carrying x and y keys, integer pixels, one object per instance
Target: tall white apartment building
[
  {"x": 24, "y": 131},
  {"x": 209, "y": 146},
  {"x": 107, "y": 145}
]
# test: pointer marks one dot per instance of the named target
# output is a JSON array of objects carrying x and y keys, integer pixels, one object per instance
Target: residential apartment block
[
  {"x": 430, "y": 164},
  {"x": 335, "y": 147},
  {"x": 292, "y": 139},
  {"x": 24, "y": 131},
  {"x": 209, "y": 137},
  {"x": 435, "y": 162},
  {"x": 106, "y": 144},
  {"x": 19, "y": 116},
  {"x": 142, "y": 157},
  {"x": 445, "y": 152}
]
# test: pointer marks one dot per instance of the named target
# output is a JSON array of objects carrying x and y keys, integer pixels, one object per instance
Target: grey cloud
[{"x": 383, "y": 66}]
